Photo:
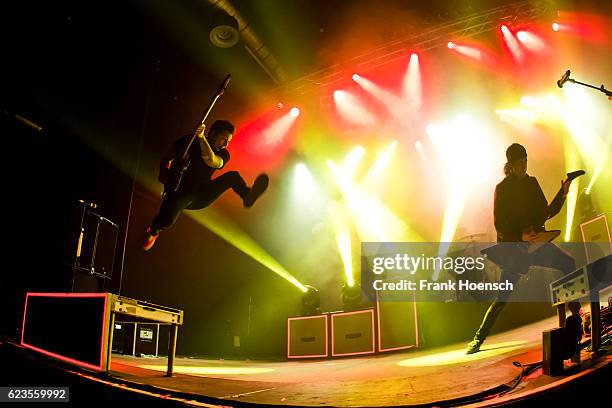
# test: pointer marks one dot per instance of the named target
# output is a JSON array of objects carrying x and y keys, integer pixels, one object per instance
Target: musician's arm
[
  {"x": 557, "y": 203},
  {"x": 208, "y": 155},
  {"x": 164, "y": 165},
  {"x": 501, "y": 218},
  {"x": 541, "y": 211}
]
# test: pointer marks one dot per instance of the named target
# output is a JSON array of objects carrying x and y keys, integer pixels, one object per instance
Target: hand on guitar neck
[
  {"x": 565, "y": 185},
  {"x": 529, "y": 235},
  {"x": 200, "y": 131}
]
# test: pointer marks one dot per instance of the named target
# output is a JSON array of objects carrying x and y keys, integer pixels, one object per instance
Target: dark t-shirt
[
  {"x": 198, "y": 172},
  {"x": 520, "y": 203}
]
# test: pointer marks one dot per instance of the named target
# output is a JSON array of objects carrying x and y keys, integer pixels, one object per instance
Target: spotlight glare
[
  {"x": 450, "y": 45},
  {"x": 505, "y": 29},
  {"x": 356, "y": 77},
  {"x": 555, "y": 26},
  {"x": 414, "y": 57},
  {"x": 295, "y": 112},
  {"x": 522, "y": 36}
]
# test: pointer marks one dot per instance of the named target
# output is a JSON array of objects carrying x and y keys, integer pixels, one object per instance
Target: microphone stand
[{"x": 601, "y": 89}]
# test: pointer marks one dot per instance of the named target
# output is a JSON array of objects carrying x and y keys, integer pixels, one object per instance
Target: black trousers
[
  {"x": 515, "y": 264},
  {"x": 196, "y": 198}
]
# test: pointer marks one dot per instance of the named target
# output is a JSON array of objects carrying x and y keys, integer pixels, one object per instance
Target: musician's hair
[
  {"x": 507, "y": 169},
  {"x": 221, "y": 126}
]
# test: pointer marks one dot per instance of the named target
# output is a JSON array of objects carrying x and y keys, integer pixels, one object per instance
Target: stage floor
[{"x": 403, "y": 378}]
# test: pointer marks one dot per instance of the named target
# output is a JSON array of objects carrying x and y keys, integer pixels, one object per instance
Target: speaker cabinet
[
  {"x": 353, "y": 333},
  {"x": 596, "y": 238},
  {"x": 307, "y": 337},
  {"x": 552, "y": 344},
  {"x": 397, "y": 325},
  {"x": 96, "y": 253}
]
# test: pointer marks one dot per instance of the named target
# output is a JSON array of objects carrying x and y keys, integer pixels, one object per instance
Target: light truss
[{"x": 432, "y": 37}]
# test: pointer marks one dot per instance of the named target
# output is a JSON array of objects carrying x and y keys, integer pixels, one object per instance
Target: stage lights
[
  {"x": 555, "y": 27},
  {"x": 311, "y": 301}
]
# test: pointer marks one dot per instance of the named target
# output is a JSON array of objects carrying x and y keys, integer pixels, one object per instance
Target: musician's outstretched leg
[
  {"x": 171, "y": 207},
  {"x": 492, "y": 312},
  {"x": 230, "y": 180}
]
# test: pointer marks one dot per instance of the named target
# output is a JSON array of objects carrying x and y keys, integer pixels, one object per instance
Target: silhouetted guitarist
[{"x": 520, "y": 210}]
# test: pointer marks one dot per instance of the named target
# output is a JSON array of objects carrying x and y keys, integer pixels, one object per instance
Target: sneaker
[
  {"x": 474, "y": 346},
  {"x": 149, "y": 239},
  {"x": 259, "y": 186}
]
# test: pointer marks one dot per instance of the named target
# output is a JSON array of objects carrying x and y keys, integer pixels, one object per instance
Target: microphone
[
  {"x": 88, "y": 204},
  {"x": 563, "y": 79}
]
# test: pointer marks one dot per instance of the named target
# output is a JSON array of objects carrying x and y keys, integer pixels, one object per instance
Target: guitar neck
[
  {"x": 202, "y": 120},
  {"x": 558, "y": 195},
  {"x": 220, "y": 92}
]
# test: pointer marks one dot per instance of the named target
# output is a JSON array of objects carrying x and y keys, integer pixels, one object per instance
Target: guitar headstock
[{"x": 224, "y": 85}]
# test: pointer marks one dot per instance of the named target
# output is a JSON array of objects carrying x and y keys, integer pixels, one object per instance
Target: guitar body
[
  {"x": 500, "y": 252},
  {"x": 540, "y": 239},
  {"x": 174, "y": 175}
]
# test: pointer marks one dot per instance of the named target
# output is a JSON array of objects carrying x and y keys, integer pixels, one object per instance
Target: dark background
[{"x": 112, "y": 84}]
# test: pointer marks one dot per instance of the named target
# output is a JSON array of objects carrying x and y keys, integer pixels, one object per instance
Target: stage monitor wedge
[{"x": 72, "y": 327}]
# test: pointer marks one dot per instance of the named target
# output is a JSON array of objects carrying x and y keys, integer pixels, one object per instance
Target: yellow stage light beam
[
  {"x": 374, "y": 221},
  {"x": 210, "y": 370},
  {"x": 520, "y": 114},
  {"x": 371, "y": 181},
  {"x": 304, "y": 182},
  {"x": 343, "y": 240},
  {"x": 465, "y": 150},
  {"x": 458, "y": 356},
  {"x": 572, "y": 162},
  {"x": 418, "y": 145},
  {"x": 351, "y": 162},
  {"x": 226, "y": 229},
  {"x": 580, "y": 130},
  {"x": 368, "y": 228},
  {"x": 586, "y": 122},
  {"x": 230, "y": 232},
  {"x": 596, "y": 173},
  {"x": 600, "y": 165}
]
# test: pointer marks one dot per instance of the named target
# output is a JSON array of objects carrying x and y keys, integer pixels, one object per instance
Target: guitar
[
  {"x": 531, "y": 240},
  {"x": 174, "y": 174}
]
